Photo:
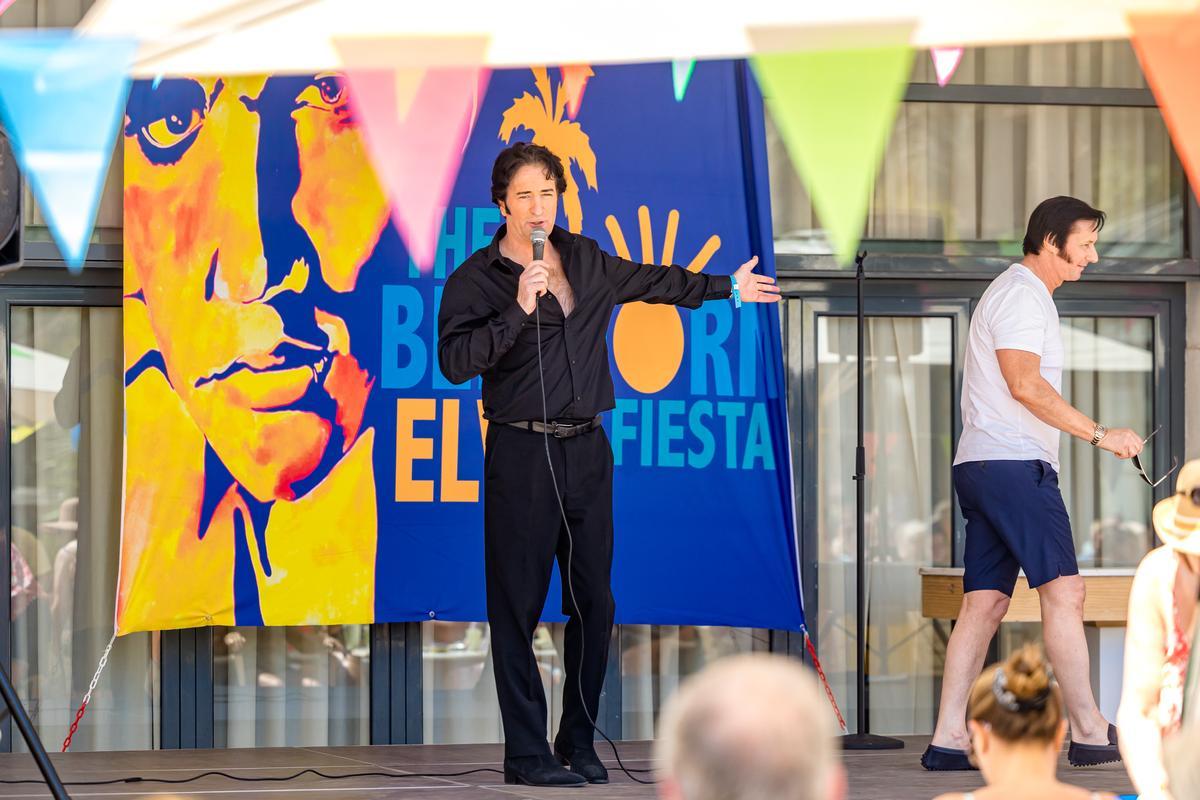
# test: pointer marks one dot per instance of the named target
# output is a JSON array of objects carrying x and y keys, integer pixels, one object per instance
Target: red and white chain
[{"x": 87, "y": 698}]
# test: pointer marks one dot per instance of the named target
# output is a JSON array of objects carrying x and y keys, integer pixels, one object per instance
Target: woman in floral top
[{"x": 1162, "y": 613}]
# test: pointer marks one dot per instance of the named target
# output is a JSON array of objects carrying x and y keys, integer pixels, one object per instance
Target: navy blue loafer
[{"x": 945, "y": 759}]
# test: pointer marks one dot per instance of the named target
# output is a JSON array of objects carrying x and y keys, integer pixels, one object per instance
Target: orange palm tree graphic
[{"x": 545, "y": 116}]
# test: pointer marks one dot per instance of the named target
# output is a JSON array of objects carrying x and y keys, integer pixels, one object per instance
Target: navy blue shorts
[{"x": 1016, "y": 520}]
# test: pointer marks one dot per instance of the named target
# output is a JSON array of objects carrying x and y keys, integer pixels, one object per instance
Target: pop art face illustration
[{"x": 251, "y": 209}]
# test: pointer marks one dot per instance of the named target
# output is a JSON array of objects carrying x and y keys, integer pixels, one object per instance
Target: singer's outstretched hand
[
  {"x": 534, "y": 282},
  {"x": 755, "y": 288}
]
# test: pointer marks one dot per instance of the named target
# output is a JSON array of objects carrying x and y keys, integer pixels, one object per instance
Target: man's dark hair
[
  {"x": 523, "y": 154},
  {"x": 1055, "y": 218}
]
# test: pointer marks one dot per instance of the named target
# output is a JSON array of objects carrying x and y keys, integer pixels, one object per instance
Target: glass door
[
  {"x": 63, "y": 539},
  {"x": 910, "y": 422}
]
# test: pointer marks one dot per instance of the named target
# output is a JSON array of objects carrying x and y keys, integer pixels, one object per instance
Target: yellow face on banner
[
  {"x": 200, "y": 224},
  {"x": 250, "y": 210}
]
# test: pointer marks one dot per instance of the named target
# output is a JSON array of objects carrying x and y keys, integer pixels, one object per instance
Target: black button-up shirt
[{"x": 482, "y": 330}]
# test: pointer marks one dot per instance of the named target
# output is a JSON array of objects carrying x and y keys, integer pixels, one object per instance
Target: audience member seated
[
  {"x": 750, "y": 727},
  {"x": 1015, "y": 718}
]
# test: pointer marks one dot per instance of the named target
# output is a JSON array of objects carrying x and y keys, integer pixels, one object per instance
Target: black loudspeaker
[{"x": 11, "y": 228}]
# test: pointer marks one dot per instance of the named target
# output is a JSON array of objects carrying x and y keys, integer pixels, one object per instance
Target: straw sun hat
[{"x": 1177, "y": 518}]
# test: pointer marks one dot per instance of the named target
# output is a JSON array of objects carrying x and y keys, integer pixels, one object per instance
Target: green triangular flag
[
  {"x": 835, "y": 109},
  {"x": 681, "y": 74}
]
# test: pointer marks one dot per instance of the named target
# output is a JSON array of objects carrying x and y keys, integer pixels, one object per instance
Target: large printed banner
[{"x": 293, "y": 453}]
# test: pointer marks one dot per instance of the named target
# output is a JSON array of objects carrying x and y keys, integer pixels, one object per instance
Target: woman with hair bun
[{"x": 1015, "y": 718}]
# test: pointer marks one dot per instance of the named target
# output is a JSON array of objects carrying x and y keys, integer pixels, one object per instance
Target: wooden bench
[
  {"x": 1106, "y": 605},
  {"x": 1104, "y": 614}
]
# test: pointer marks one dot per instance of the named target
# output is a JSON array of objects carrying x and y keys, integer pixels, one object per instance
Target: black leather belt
[{"x": 559, "y": 430}]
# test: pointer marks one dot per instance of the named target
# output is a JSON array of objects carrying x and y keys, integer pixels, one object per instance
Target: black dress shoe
[
  {"x": 539, "y": 771},
  {"x": 945, "y": 759},
  {"x": 583, "y": 762},
  {"x": 1091, "y": 755}
]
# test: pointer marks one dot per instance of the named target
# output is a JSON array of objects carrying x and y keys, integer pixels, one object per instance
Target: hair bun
[{"x": 1027, "y": 675}]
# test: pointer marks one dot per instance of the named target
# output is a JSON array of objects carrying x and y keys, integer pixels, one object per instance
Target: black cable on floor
[
  {"x": 629, "y": 772},
  {"x": 266, "y": 779}
]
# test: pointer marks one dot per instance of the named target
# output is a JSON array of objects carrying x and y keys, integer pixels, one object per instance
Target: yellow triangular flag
[{"x": 834, "y": 110}]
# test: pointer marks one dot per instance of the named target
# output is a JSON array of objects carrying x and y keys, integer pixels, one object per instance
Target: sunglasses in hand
[{"x": 1137, "y": 464}]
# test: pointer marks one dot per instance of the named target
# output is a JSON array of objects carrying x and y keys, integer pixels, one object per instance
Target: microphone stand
[
  {"x": 36, "y": 749},
  {"x": 862, "y": 740}
]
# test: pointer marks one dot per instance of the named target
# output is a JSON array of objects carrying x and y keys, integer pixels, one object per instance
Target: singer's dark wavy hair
[
  {"x": 521, "y": 154},
  {"x": 1054, "y": 218}
]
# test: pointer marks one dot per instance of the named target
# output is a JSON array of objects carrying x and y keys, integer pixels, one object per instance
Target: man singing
[
  {"x": 1006, "y": 479},
  {"x": 487, "y": 327}
]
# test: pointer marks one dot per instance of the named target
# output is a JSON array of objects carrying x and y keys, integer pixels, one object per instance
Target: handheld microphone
[{"x": 538, "y": 237}]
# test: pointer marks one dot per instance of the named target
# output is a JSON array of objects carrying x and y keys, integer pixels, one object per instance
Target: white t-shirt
[{"x": 1015, "y": 313}]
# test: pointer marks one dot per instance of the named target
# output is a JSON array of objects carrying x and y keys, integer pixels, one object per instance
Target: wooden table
[
  {"x": 1104, "y": 613},
  {"x": 1106, "y": 604}
]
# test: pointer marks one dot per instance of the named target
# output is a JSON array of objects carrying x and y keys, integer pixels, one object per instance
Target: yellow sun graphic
[{"x": 648, "y": 338}]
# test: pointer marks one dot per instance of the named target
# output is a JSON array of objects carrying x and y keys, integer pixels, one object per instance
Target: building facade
[{"x": 964, "y": 167}]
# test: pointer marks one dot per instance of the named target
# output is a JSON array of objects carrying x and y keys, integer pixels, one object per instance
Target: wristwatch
[{"x": 1100, "y": 432}]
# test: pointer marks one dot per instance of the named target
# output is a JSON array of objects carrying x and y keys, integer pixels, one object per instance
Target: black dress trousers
[{"x": 523, "y": 534}]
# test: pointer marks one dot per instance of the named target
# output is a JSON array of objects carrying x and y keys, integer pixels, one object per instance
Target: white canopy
[{"x": 269, "y": 36}]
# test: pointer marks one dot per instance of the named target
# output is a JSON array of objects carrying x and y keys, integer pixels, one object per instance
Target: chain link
[
  {"x": 87, "y": 698},
  {"x": 812, "y": 653}
]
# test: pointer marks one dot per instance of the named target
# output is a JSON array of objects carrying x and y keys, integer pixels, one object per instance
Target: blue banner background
[
  {"x": 705, "y": 546},
  {"x": 703, "y": 489}
]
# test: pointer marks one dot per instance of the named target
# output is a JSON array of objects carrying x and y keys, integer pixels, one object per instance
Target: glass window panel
[
  {"x": 908, "y": 510},
  {"x": 45, "y": 13},
  {"x": 1109, "y": 375},
  {"x": 65, "y": 446},
  {"x": 962, "y": 179},
  {"x": 656, "y": 658},
  {"x": 1082, "y": 64},
  {"x": 110, "y": 213},
  {"x": 460, "y": 705},
  {"x": 305, "y": 686}
]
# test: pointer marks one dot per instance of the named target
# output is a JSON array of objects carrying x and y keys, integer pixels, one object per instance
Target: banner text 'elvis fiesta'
[{"x": 293, "y": 453}]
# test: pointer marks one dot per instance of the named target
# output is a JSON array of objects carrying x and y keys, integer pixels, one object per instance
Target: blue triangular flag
[
  {"x": 62, "y": 98},
  {"x": 681, "y": 75}
]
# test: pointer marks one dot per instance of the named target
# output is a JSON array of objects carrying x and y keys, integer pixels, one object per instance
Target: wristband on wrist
[{"x": 736, "y": 293}]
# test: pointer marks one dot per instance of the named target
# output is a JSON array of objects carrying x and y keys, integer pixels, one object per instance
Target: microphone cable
[
  {"x": 263, "y": 779},
  {"x": 537, "y": 306},
  {"x": 629, "y": 771}
]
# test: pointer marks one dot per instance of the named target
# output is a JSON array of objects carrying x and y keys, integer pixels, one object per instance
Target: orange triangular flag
[
  {"x": 417, "y": 99},
  {"x": 574, "y": 81},
  {"x": 1168, "y": 45}
]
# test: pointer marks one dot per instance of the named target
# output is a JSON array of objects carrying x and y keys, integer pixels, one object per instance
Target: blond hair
[
  {"x": 1018, "y": 698},
  {"x": 748, "y": 727}
]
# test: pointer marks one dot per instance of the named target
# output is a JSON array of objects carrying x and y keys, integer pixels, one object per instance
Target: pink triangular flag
[
  {"x": 574, "y": 81},
  {"x": 416, "y": 100},
  {"x": 945, "y": 61},
  {"x": 4, "y": 4}
]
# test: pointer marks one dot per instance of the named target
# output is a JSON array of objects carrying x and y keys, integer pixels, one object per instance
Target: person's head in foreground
[
  {"x": 749, "y": 727},
  {"x": 1015, "y": 718}
]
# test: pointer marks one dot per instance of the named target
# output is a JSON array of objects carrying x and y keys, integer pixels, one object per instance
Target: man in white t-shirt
[{"x": 1006, "y": 479}]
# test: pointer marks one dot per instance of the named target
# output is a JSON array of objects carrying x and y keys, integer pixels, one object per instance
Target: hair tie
[{"x": 1009, "y": 701}]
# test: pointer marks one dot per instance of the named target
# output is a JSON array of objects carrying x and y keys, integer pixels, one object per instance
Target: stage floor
[{"x": 894, "y": 775}]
